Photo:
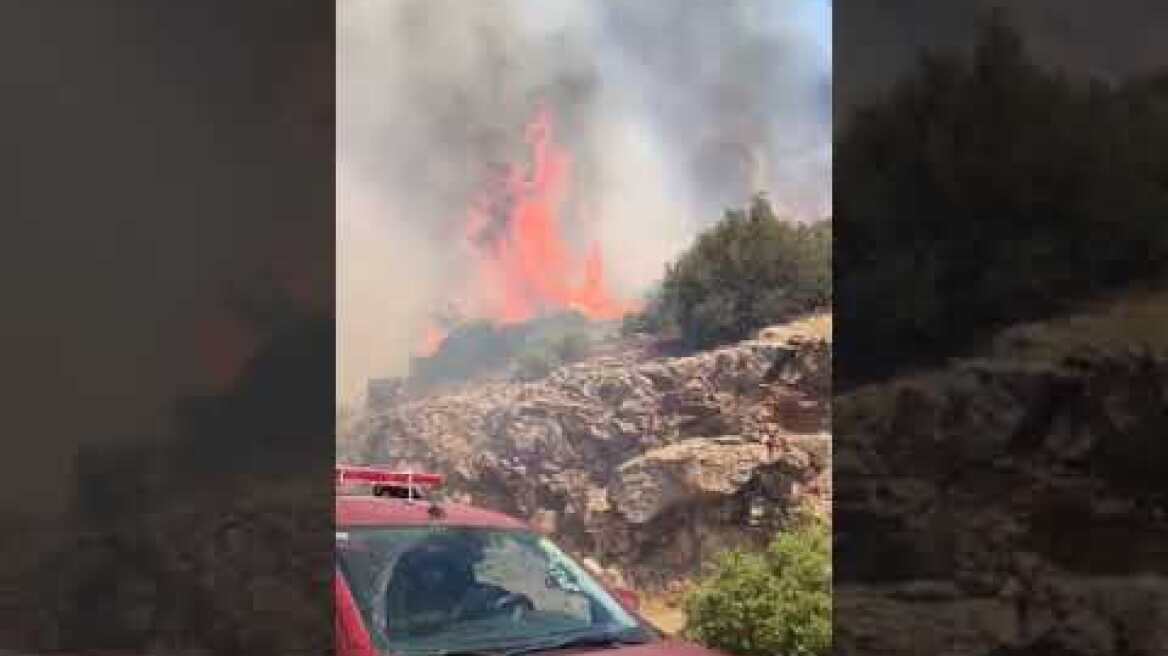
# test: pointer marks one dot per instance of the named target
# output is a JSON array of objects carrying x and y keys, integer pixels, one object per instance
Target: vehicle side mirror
[{"x": 627, "y": 597}]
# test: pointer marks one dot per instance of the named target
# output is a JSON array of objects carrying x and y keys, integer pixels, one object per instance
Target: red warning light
[{"x": 354, "y": 475}]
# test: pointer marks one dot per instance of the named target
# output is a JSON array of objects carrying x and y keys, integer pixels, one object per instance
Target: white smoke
[{"x": 672, "y": 111}]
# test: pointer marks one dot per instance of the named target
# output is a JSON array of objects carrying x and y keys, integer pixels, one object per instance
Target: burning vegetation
[
  {"x": 525, "y": 350},
  {"x": 750, "y": 270},
  {"x": 514, "y": 234}
]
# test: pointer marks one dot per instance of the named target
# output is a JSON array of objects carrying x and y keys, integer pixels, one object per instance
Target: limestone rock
[{"x": 681, "y": 473}]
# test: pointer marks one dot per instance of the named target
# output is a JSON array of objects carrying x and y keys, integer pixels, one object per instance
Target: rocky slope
[
  {"x": 1013, "y": 503},
  {"x": 645, "y": 465}
]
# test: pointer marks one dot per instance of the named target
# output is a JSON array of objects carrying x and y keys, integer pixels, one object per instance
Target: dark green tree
[
  {"x": 749, "y": 270},
  {"x": 984, "y": 190}
]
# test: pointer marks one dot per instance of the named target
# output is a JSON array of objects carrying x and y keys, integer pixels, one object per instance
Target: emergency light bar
[{"x": 351, "y": 474}]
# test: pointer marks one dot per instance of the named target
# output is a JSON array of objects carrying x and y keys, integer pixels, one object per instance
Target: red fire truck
[{"x": 416, "y": 576}]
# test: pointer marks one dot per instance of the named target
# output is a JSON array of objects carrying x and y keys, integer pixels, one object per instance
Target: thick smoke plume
[{"x": 669, "y": 112}]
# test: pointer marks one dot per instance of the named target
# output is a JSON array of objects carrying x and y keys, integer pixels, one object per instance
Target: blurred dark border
[
  {"x": 1001, "y": 327},
  {"x": 168, "y": 327}
]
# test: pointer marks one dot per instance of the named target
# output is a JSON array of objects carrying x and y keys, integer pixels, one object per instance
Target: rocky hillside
[
  {"x": 646, "y": 465},
  {"x": 1013, "y": 503}
]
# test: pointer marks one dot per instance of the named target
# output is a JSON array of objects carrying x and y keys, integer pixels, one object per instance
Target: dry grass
[
  {"x": 814, "y": 326},
  {"x": 665, "y": 610},
  {"x": 1137, "y": 320}
]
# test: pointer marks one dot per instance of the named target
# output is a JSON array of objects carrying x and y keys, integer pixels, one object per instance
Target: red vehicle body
[{"x": 381, "y": 512}]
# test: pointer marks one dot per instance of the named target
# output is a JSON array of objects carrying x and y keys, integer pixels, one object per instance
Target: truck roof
[{"x": 354, "y": 511}]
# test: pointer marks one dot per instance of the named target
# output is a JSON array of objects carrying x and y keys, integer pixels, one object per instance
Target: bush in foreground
[{"x": 774, "y": 602}]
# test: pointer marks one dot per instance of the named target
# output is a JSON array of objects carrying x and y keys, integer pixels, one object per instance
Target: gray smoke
[{"x": 672, "y": 111}]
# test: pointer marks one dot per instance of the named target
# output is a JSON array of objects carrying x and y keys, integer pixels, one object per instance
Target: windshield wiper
[{"x": 605, "y": 639}]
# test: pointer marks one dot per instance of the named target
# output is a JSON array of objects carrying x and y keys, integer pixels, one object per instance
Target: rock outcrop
[
  {"x": 1012, "y": 505},
  {"x": 641, "y": 464},
  {"x": 669, "y": 476}
]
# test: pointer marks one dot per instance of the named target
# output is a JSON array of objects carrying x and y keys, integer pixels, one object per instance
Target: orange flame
[
  {"x": 431, "y": 341},
  {"x": 525, "y": 266}
]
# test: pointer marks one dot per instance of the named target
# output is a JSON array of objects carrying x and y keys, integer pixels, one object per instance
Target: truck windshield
[{"x": 433, "y": 590}]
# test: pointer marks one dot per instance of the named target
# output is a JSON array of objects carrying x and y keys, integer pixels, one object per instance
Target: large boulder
[{"x": 684, "y": 472}]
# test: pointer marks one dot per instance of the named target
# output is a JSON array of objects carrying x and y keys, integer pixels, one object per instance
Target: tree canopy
[
  {"x": 749, "y": 270},
  {"x": 985, "y": 190}
]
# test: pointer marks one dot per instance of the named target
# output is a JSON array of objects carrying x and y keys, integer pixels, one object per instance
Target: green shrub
[
  {"x": 479, "y": 347},
  {"x": 570, "y": 347},
  {"x": 748, "y": 271},
  {"x": 469, "y": 350},
  {"x": 534, "y": 364},
  {"x": 541, "y": 356},
  {"x": 774, "y": 602},
  {"x": 654, "y": 317}
]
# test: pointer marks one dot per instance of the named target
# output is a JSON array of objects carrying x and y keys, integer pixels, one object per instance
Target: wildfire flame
[
  {"x": 514, "y": 235},
  {"x": 431, "y": 341}
]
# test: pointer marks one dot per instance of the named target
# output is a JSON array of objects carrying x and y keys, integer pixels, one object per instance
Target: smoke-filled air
[{"x": 502, "y": 160}]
